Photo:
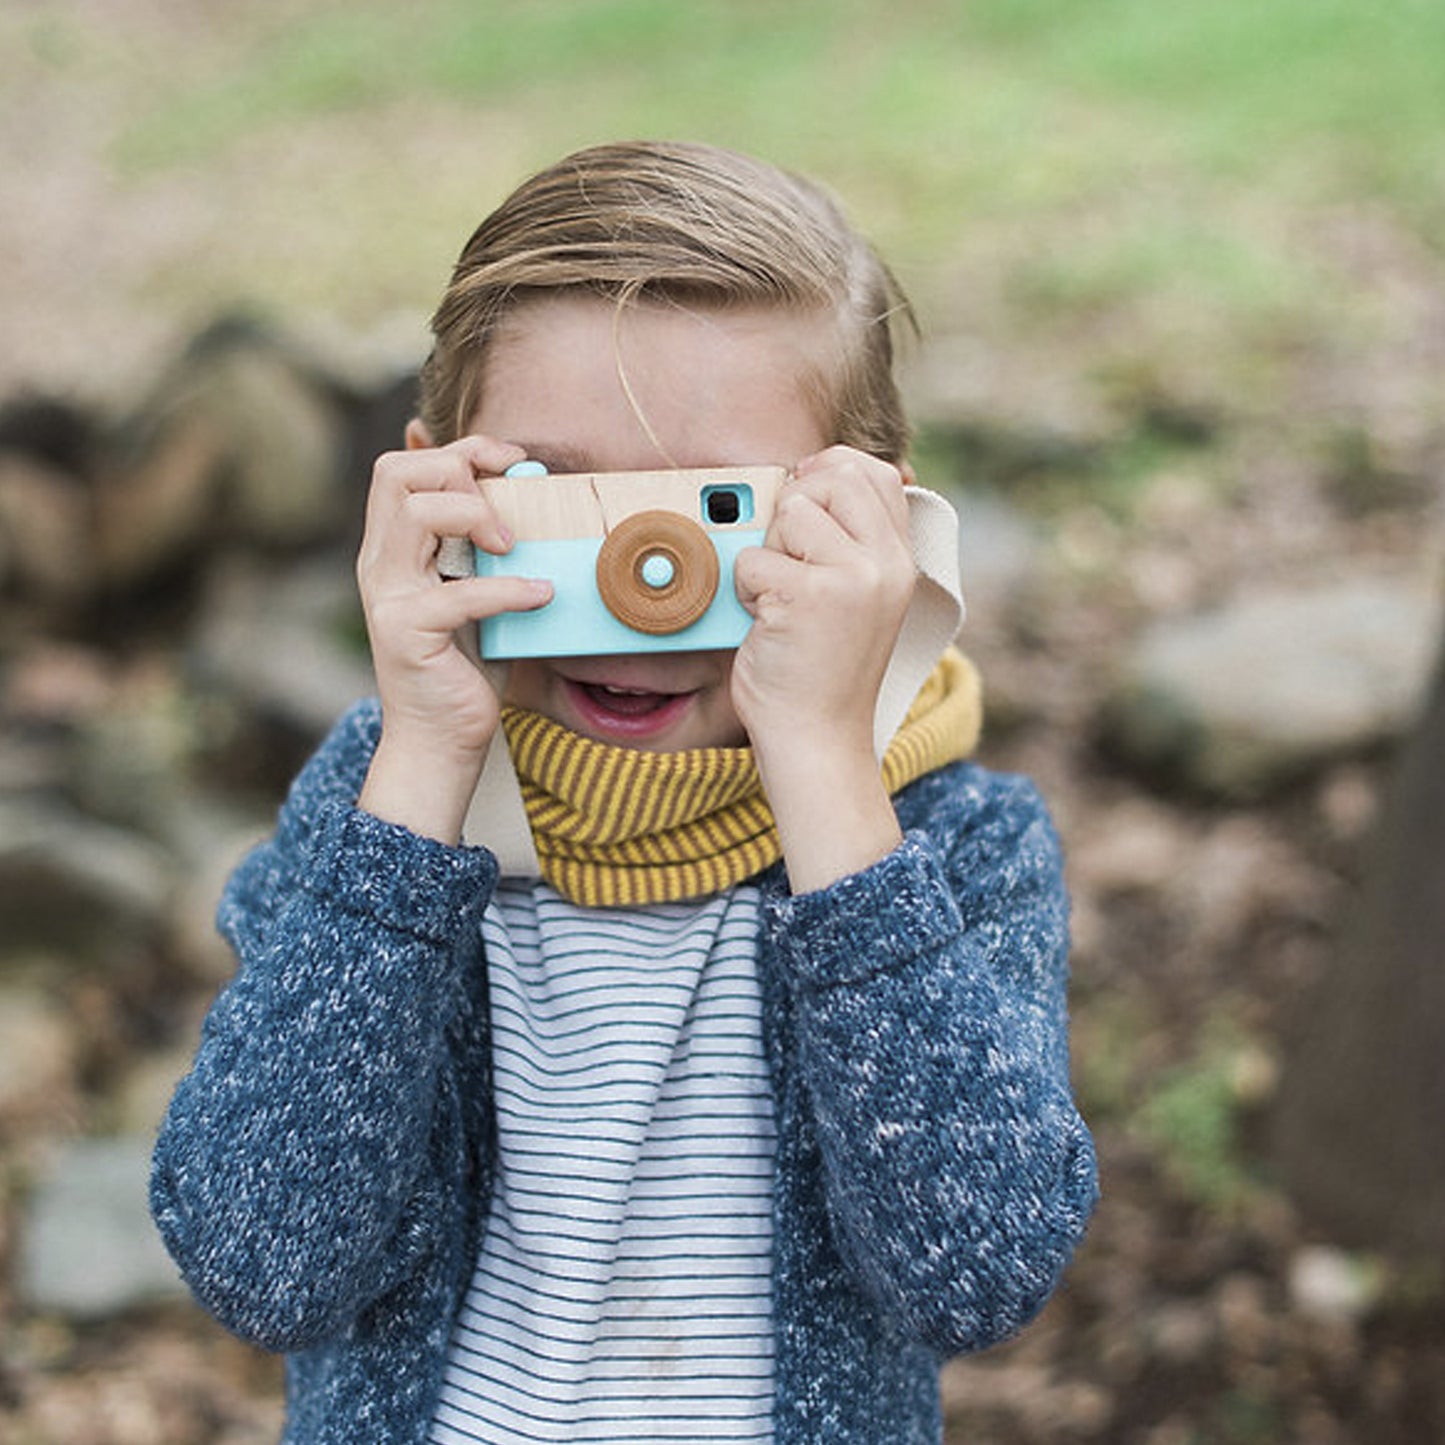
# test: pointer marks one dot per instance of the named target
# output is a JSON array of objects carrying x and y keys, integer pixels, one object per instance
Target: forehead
[{"x": 617, "y": 389}]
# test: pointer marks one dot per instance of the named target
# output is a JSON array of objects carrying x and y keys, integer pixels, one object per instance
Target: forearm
[
  {"x": 296, "y": 1148},
  {"x": 833, "y": 814},
  {"x": 934, "y": 1053},
  {"x": 425, "y": 789}
]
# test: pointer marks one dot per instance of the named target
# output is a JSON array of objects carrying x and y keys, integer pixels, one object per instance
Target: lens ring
[{"x": 624, "y": 556}]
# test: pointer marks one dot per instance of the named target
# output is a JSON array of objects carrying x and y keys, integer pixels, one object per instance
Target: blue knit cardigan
[{"x": 322, "y": 1175}]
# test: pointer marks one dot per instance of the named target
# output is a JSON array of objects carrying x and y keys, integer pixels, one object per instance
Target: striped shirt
[{"x": 622, "y": 1293}]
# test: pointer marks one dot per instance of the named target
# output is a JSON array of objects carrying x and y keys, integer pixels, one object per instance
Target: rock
[
  {"x": 52, "y": 685},
  {"x": 999, "y": 550},
  {"x": 1331, "y": 1286},
  {"x": 51, "y": 429},
  {"x": 277, "y": 639},
  {"x": 88, "y": 1247},
  {"x": 1182, "y": 1332},
  {"x": 70, "y": 882},
  {"x": 143, "y": 1093},
  {"x": 1348, "y": 803},
  {"x": 37, "y": 1052},
  {"x": 237, "y": 443},
  {"x": 284, "y": 448},
  {"x": 1275, "y": 684},
  {"x": 1247, "y": 1322},
  {"x": 131, "y": 760},
  {"x": 31, "y": 763},
  {"x": 44, "y": 531},
  {"x": 212, "y": 839},
  {"x": 157, "y": 512},
  {"x": 360, "y": 362}
]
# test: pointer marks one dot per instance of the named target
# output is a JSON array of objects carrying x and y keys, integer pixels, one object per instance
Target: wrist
[
  {"x": 833, "y": 813},
  {"x": 803, "y": 733},
  {"x": 423, "y": 785}
]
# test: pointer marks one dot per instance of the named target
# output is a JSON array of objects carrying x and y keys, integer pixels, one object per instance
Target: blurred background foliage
[{"x": 1069, "y": 160}]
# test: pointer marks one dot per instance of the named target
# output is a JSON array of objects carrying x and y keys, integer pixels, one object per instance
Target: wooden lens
[{"x": 657, "y": 572}]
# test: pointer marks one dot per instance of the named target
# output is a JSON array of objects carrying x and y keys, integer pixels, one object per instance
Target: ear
[
  {"x": 906, "y": 472},
  {"x": 418, "y": 437}
]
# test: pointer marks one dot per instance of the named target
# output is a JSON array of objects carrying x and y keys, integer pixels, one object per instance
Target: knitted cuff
[
  {"x": 404, "y": 881},
  {"x": 869, "y": 923}
]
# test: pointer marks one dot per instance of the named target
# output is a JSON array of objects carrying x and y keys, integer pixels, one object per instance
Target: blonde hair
[{"x": 683, "y": 224}]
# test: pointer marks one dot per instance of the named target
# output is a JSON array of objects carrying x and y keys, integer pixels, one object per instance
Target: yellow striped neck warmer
[{"x": 618, "y": 827}]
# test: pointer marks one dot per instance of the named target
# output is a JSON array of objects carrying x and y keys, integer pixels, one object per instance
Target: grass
[
  {"x": 1070, "y": 168},
  {"x": 1234, "y": 87},
  {"x": 1193, "y": 1121},
  {"x": 933, "y": 118},
  {"x": 1240, "y": 83}
]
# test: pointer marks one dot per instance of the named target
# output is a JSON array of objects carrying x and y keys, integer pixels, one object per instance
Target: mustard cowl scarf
[{"x": 618, "y": 827}]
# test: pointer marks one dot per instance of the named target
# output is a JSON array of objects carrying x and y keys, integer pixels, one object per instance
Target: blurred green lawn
[
  {"x": 1067, "y": 157},
  {"x": 972, "y": 103}
]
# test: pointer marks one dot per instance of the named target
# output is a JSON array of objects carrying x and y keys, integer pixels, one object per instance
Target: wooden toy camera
[{"x": 639, "y": 561}]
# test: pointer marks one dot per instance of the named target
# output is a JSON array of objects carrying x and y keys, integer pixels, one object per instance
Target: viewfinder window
[{"x": 725, "y": 504}]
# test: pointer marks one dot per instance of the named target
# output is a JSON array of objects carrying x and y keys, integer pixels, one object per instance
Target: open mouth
[
  {"x": 628, "y": 701},
  {"x": 625, "y": 714}
]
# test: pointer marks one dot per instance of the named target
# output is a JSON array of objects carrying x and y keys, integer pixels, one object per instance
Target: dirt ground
[{"x": 1189, "y": 1317}]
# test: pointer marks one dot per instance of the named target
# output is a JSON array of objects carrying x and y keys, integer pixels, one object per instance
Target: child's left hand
[{"x": 827, "y": 592}]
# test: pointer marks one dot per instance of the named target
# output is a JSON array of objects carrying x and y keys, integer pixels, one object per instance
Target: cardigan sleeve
[
  {"x": 296, "y": 1177},
  {"x": 928, "y": 994}
]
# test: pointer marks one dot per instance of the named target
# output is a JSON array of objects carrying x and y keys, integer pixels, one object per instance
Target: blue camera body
[{"x": 639, "y": 561}]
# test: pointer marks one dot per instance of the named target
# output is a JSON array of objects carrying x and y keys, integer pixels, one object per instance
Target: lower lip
[{"x": 623, "y": 725}]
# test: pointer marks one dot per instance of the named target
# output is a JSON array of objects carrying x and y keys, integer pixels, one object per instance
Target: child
[{"x": 756, "y": 1105}]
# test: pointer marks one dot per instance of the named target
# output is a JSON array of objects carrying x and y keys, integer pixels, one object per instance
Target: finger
[
  {"x": 804, "y": 526},
  {"x": 445, "y": 609},
  {"x": 765, "y": 573},
  {"x": 486, "y": 456},
  {"x": 402, "y": 544},
  {"x": 868, "y": 499},
  {"x": 847, "y": 472},
  {"x": 458, "y": 466},
  {"x": 865, "y": 524},
  {"x": 400, "y": 477},
  {"x": 809, "y": 554},
  {"x": 880, "y": 474},
  {"x": 397, "y": 478},
  {"x": 396, "y": 475},
  {"x": 427, "y": 516}
]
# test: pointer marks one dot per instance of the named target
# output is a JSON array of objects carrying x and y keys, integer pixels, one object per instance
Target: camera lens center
[{"x": 658, "y": 570}]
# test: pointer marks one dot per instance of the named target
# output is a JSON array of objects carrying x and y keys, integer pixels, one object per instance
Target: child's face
[{"x": 716, "y": 388}]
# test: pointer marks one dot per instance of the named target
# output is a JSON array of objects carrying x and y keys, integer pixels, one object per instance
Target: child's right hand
[{"x": 439, "y": 713}]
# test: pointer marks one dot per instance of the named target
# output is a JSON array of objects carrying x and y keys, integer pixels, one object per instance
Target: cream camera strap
[{"x": 498, "y": 817}]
